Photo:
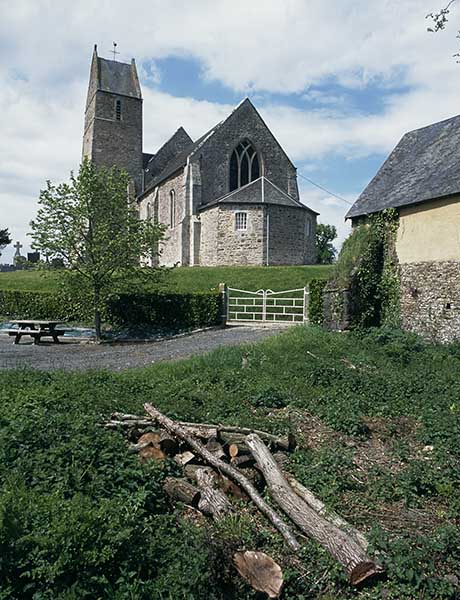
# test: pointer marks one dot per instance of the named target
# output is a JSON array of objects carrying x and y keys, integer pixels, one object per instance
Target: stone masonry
[
  {"x": 430, "y": 299},
  {"x": 201, "y": 176}
]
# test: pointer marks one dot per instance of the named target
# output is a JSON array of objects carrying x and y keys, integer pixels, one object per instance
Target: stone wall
[
  {"x": 430, "y": 299},
  {"x": 172, "y": 248},
  {"x": 109, "y": 142},
  {"x": 288, "y": 243},
  {"x": 222, "y": 245}
]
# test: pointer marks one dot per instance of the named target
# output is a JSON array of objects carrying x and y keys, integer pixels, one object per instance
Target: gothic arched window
[
  {"x": 149, "y": 211},
  {"x": 244, "y": 165},
  {"x": 172, "y": 208}
]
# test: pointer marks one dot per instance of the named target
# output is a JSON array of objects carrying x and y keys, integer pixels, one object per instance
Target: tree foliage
[
  {"x": 325, "y": 235},
  {"x": 93, "y": 226},
  {"x": 4, "y": 239}
]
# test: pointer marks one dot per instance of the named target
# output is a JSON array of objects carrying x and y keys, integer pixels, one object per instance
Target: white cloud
[{"x": 264, "y": 45}]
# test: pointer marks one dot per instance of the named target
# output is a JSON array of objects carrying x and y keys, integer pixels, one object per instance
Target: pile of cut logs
[{"x": 220, "y": 461}]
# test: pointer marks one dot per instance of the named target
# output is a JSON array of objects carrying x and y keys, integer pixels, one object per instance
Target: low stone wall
[
  {"x": 337, "y": 309},
  {"x": 430, "y": 299}
]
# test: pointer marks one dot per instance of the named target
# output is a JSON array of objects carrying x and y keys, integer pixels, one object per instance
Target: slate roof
[
  {"x": 118, "y": 77},
  {"x": 259, "y": 191},
  {"x": 424, "y": 165}
]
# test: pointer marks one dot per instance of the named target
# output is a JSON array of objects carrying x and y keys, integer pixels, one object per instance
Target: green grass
[
  {"x": 377, "y": 417},
  {"x": 192, "y": 279}
]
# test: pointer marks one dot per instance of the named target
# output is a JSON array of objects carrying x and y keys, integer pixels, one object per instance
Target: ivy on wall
[{"x": 368, "y": 267}]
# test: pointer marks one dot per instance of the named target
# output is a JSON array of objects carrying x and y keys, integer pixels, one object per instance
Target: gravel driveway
[{"x": 77, "y": 356}]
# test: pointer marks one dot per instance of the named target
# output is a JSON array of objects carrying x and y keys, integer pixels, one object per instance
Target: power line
[{"x": 324, "y": 189}]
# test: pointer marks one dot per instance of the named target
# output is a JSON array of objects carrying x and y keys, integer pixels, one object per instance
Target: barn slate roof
[{"x": 425, "y": 165}]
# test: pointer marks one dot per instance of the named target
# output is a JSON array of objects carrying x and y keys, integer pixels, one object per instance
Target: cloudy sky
[{"x": 338, "y": 82}]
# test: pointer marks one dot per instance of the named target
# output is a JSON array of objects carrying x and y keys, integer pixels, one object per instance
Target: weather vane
[{"x": 114, "y": 51}]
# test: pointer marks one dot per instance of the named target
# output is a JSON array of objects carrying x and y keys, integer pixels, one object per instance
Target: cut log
[
  {"x": 260, "y": 571},
  {"x": 182, "y": 490},
  {"x": 233, "y": 450},
  {"x": 204, "y": 430},
  {"x": 224, "y": 484},
  {"x": 343, "y": 547},
  {"x": 168, "y": 443},
  {"x": 212, "y": 500},
  {"x": 323, "y": 511},
  {"x": 215, "y": 447},
  {"x": 234, "y": 474},
  {"x": 151, "y": 453},
  {"x": 243, "y": 461},
  {"x": 184, "y": 458}
]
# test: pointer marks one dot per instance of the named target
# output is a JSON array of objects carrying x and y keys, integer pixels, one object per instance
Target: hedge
[
  {"x": 172, "y": 311},
  {"x": 315, "y": 303}
]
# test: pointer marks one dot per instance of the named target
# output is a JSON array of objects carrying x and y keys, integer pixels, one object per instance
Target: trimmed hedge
[
  {"x": 315, "y": 304},
  {"x": 43, "y": 305},
  {"x": 172, "y": 311}
]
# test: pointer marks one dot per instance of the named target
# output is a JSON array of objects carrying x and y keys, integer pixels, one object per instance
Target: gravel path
[{"x": 77, "y": 356}]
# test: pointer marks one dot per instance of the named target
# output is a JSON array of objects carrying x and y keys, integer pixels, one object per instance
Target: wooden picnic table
[{"x": 36, "y": 328}]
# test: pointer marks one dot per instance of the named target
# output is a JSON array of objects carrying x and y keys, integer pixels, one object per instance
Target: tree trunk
[
  {"x": 323, "y": 511},
  {"x": 97, "y": 312},
  {"x": 212, "y": 500},
  {"x": 234, "y": 474},
  {"x": 344, "y": 548}
]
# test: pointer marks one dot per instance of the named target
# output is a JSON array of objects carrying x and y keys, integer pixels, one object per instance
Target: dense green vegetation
[
  {"x": 188, "y": 279},
  {"x": 378, "y": 420}
]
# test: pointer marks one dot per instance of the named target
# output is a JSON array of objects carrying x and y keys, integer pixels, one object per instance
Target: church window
[
  {"x": 244, "y": 165},
  {"x": 308, "y": 227},
  {"x": 118, "y": 110},
  {"x": 172, "y": 208},
  {"x": 241, "y": 221},
  {"x": 149, "y": 210}
]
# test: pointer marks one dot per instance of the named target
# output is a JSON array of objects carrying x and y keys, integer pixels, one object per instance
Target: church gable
[
  {"x": 243, "y": 128},
  {"x": 175, "y": 146}
]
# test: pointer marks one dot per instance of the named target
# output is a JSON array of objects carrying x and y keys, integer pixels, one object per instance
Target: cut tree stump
[{"x": 342, "y": 546}]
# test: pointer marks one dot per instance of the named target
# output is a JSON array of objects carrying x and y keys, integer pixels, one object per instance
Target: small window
[
  {"x": 172, "y": 208},
  {"x": 308, "y": 227},
  {"x": 149, "y": 211},
  {"x": 241, "y": 221},
  {"x": 118, "y": 110}
]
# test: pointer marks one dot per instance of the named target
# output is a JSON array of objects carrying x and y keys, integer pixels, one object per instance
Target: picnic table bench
[{"x": 36, "y": 328}]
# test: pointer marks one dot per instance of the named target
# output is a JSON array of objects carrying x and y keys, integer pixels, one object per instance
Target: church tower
[{"x": 113, "y": 117}]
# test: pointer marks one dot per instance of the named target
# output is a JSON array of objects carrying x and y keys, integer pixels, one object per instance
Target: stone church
[{"x": 229, "y": 198}]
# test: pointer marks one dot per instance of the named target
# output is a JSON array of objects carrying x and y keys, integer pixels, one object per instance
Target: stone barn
[{"x": 421, "y": 179}]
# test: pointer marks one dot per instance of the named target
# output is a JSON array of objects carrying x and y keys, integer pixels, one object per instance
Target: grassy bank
[
  {"x": 81, "y": 518},
  {"x": 191, "y": 279}
]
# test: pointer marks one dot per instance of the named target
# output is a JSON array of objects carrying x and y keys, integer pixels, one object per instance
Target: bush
[
  {"x": 315, "y": 304},
  {"x": 43, "y": 305},
  {"x": 172, "y": 311}
]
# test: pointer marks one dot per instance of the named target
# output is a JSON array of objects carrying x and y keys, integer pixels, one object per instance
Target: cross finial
[
  {"x": 18, "y": 247},
  {"x": 114, "y": 51}
]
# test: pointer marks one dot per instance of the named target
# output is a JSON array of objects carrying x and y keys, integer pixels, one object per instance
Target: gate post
[
  {"x": 306, "y": 302},
  {"x": 223, "y": 290}
]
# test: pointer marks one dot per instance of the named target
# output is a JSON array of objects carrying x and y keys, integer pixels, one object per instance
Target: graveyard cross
[
  {"x": 114, "y": 51},
  {"x": 18, "y": 247}
]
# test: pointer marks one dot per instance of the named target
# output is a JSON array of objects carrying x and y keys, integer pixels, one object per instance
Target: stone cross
[
  {"x": 18, "y": 247},
  {"x": 114, "y": 51}
]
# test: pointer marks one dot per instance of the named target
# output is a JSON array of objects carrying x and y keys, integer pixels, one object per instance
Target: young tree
[
  {"x": 4, "y": 239},
  {"x": 93, "y": 226},
  {"x": 325, "y": 234}
]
